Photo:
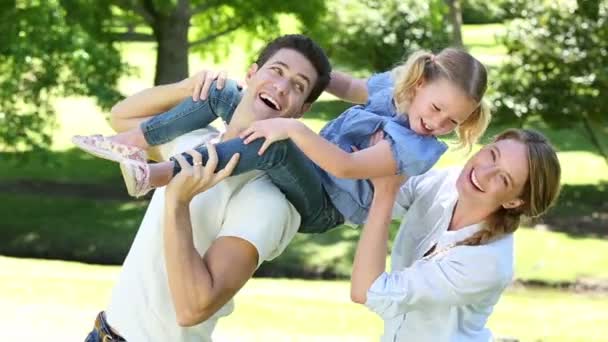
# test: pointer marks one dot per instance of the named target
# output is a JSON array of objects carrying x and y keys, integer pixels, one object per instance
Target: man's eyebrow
[
  {"x": 499, "y": 154},
  {"x": 287, "y": 67}
]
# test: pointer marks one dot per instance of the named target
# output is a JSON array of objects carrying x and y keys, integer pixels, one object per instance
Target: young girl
[{"x": 324, "y": 176}]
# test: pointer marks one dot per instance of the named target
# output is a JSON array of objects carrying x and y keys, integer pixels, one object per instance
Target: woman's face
[{"x": 495, "y": 176}]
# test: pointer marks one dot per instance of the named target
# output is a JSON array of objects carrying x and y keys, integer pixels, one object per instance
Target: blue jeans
[
  {"x": 102, "y": 331},
  {"x": 290, "y": 170},
  {"x": 190, "y": 115}
]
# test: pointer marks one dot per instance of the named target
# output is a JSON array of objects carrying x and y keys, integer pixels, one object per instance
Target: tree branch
[
  {"x": 203, "y": 7},
  {"x": 214, "y": 36},
  {"x": 137, "y": 8},
  {"x": 133, "y": 37}
]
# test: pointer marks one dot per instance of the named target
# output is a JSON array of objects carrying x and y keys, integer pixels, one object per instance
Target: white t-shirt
[{"x": 247, "y": 206}]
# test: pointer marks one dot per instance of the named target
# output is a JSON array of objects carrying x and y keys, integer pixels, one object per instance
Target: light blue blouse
[{"x": 415, "y": 154}]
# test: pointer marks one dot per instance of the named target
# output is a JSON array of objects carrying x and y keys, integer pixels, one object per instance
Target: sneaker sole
[{"x": 130, "y": 183}]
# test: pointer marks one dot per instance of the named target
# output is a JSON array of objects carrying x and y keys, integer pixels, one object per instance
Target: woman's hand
[{"x": 272, "y": 129}]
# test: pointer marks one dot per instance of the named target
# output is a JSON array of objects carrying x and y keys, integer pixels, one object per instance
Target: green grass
[
  {"x": 482, "y": 42},
  {"x": 60, "y": 299},
  {"x": 556, "y": 257}
]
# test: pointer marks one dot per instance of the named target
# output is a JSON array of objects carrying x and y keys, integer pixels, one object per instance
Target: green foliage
[
  {"x": 558, "y": 66},
  {"x": 482, "y": 12},
  {"x": 375, "y": 35},
  {"x": 258, "y": 18},
  {"x": 43, "y": 55}
]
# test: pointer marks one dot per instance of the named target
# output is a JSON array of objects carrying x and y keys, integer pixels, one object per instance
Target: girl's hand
[
  {"x": 200, "y": 83},
  {"x": 272, "y": 129}
]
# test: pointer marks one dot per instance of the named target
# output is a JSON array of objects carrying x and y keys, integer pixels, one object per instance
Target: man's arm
[
  {"x": 347, "y": 87},
  {"x": 201, "y": 285},
  {"x": 133, "y": 110}
]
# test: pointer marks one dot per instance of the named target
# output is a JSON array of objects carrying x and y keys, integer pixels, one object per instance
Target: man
[{"x": 198, "y": 244}]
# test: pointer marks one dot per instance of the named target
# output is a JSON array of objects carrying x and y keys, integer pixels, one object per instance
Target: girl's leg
[
  {"x": 185, "y": 117},
  {"x": 290, "y": 170},
  {"x": 190, "y": 115}
]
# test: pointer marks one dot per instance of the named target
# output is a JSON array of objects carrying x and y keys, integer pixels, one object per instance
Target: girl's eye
[
  {"x": 504, "y": 180},
  {"x": 435, "y": 108},
  {"x": 454, "y": 122},
  {"x": 493, "y": 155}
]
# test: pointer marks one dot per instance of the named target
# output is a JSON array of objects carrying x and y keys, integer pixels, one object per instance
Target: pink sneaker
[
  {"x": 105, "y": 148},
  {"x": 136, "y": 176}
]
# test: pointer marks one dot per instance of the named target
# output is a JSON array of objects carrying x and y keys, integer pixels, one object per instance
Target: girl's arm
[
  {"x": 370, "y": 257},
  {"x": 347, "y": 87},
  {"x": 375, "y": 161}
]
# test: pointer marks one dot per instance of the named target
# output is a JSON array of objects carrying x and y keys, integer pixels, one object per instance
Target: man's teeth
[
  {"x": 270, "y": 101},
  {"x": 475, "y": 181}
]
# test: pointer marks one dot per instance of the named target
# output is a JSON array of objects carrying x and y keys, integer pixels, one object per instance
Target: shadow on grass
[
  {"x": 71, "y": 166},
  {"x": 581, "y": 211},
  {"x": 68, "y": 228},
  {"x": 325, "y": 256}
]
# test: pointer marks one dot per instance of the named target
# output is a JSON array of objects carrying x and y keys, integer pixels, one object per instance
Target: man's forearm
[
  {"x": 190, "y": 281},
  {"x": 129, "y": 112},
  {"x": 151, "y": 101}
]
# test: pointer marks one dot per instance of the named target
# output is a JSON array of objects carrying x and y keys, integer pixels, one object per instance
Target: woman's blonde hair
[
  {"x": 540, "y": 190},
  {"x": 458, "y": 67}
]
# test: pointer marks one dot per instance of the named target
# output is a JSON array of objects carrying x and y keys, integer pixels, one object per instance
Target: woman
[{"x": 453, "y": 255}]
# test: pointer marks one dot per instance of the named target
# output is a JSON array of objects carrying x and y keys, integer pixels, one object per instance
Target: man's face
[
  {"x": 280, "y": 87},
  {"x": 495, "y": 176}
]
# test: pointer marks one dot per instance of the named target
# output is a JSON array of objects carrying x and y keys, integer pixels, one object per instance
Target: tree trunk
[
  {"x": 455, "y": 19},
  {"x": 594, "y": 139},
  {"x": 171, "y": 34}
]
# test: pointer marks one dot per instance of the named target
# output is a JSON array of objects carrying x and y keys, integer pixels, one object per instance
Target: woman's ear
[{"x": 512, "y": 204}]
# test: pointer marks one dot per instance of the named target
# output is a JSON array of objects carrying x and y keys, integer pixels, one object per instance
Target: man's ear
[
  {"x": 512, "y": 204},
  {"x": 305, "y": 108},
  {"x": 250, "y": 72}
]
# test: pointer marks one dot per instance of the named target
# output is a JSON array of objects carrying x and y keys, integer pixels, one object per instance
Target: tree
[
  {"x": 455, "y": 19},
  {"x": 179, "y": 25},
  {"x": 59, "y": 48},
  {"x": 375, "y": 35},
  {"x": 558, "y": 67},
  {"x": 44, "y": 55}
]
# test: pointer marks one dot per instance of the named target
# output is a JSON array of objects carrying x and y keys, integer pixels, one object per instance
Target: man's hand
[
  {"x": 194, "y": 179},
  {"x": 200, "y": 83}
]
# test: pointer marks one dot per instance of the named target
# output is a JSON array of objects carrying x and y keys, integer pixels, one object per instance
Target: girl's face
[{"x": 438, "y": 107}]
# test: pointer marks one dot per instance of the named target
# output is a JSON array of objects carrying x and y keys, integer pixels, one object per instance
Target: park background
[{"x": 68, "y": 222}]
